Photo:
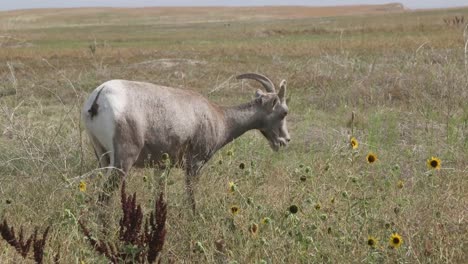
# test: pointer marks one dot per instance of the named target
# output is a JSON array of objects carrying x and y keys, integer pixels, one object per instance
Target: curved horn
[{"x": 267, "y": 83}]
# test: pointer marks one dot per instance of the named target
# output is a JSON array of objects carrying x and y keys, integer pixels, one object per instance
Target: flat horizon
[{"x": 52, "y": 4}]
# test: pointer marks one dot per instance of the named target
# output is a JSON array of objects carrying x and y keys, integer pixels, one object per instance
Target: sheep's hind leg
[
  {"x": 101, "y": 154},
  {"x": 113, "y": 177},
  {"x": 123, "y": 159},
  {"x": 106, "y": 162}
]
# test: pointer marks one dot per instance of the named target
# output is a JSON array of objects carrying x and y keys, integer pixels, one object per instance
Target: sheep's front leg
[
  {"x": 189, "y": 188},
  {"x": 191, "y": 178}
]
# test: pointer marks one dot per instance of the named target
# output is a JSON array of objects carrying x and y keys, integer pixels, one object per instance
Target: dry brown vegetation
[
  {"x": 169, "y": 15},
  {"x": 403, "y": 74}
]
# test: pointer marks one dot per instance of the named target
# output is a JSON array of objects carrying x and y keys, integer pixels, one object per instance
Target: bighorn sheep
[{"x": 134, "y": 123}]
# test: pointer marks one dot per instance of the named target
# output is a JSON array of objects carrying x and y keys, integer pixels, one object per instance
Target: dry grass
[
  {"x": 403, "y": 74},
  {"x": 45, "y": 18}
]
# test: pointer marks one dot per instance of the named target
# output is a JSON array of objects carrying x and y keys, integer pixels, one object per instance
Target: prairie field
[{"x": 394, "y": 80}]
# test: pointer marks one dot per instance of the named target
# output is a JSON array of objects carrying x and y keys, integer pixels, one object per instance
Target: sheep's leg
[
  {"x": 119, "y": 168},
  {"x": 120, "y": 164},
  {"x": 111, "y": 184},
  {"x": 191, "y": 178},
  {"x": 106, "y": 160},
  {"x": 189, "y": 188},
  {"x": 101, "y": 155},
  {"x": 127, "y": 145},
  {"x": 113, "y": 177}
]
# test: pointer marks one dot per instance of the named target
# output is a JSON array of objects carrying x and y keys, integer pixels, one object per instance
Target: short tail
[{"x": 93, "y": 110}]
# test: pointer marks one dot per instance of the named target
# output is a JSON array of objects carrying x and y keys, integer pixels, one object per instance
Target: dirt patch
[
  {"x": 167, "y": 63},
  {"x": 11, "y": 42}
]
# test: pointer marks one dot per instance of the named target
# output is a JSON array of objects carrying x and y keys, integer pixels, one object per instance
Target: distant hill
[{"x": 150, "y": 15}]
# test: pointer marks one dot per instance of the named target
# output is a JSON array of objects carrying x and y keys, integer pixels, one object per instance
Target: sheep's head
[{"x": 275, "y": 110}]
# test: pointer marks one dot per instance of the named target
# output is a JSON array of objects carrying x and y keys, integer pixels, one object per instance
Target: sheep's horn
[{"x": 267, "y": 83}]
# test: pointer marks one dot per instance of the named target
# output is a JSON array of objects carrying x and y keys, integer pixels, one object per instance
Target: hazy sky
[{"x": 20, "y": 4}]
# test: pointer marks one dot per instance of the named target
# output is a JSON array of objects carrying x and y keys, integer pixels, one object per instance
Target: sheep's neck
[{"x": 240, "y": 119}]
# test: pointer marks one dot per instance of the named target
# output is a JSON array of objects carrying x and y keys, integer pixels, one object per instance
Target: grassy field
[{"x": 403, "y": 74}]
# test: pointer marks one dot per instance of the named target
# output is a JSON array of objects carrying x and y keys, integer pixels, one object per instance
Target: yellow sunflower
[
  {"x": 395, "y": 240},
  {"x": 253, "y": 229},
  {"x": 372, "y": 242},
  {"x": 400, "y": 184},
  {"x": 232, "y": 187},
  {"x": 293, "y": 209},
  {"x": 235, "y": 209},
  {"x": 434, "y": 163},
  {"x": 266, "y": 220},
  {"x": 354, "y": 143},
  {"x": 82, "y": 186},
  {"x": 371, "y": 157}
]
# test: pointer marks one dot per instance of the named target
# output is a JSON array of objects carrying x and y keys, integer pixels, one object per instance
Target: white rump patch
[{"x": 112, "y": 102}]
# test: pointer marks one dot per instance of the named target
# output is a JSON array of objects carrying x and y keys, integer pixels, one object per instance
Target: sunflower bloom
[
  {"x": 232, "y": 187},
  {"x": 372, "y": 242},
  {"x": 400, "y": 184},
  {"x": 354, "y": 143},
  {"x": 434, "y": 163},
  {"x": 235, "y": 209},
  {"x": 371, "y": 158},
  {"x": 293, "y": 209},
  {"x": 82, "y": 186},
  {"x": 253, "y": 229},
  {"x": 395, "y": 240}
]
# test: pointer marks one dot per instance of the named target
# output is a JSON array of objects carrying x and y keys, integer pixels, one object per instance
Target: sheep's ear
[
  {"x": 271, "y": 103},
  {"x": 282, "y": 91}
]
